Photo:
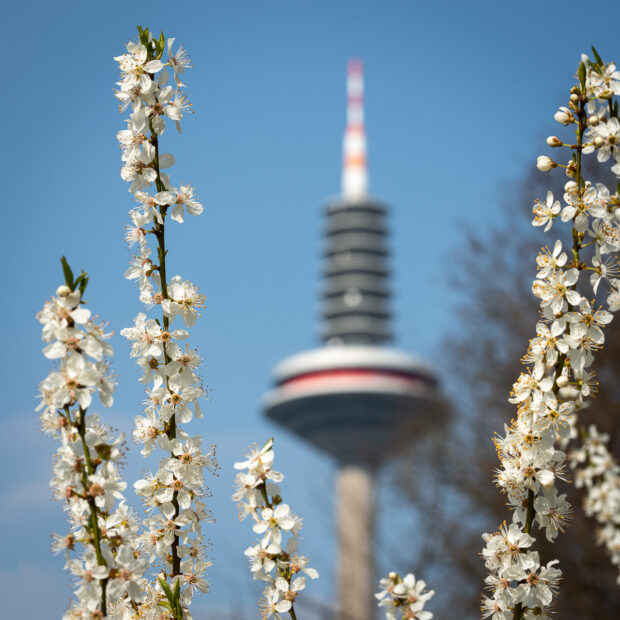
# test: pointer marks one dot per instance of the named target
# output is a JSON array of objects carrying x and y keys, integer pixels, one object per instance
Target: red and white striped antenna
[{"x": 354, "y": 170}]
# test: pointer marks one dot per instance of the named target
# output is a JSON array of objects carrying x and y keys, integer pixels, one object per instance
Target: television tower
[{"x": 353, "y": 397}]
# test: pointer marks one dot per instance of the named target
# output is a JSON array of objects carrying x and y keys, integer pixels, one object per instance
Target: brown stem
[
  {"x": 160, "y": 230},
  {"x": 581, "y": 115},
  {"x": 94, "y": 511}
]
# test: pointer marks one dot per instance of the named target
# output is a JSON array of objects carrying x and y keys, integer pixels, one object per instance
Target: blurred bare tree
[{"x": 447, "y": 476}]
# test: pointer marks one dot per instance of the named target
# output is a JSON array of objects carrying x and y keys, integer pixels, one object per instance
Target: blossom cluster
[
  {"x": 404, "y": 598},
  {"x": 271, "y": 559},
  {"x": 598, "y": 473},
  {"x": 559, "y": 377},
  {"x": 103, "y": 529},
  {"x": 173, "y": 494}
]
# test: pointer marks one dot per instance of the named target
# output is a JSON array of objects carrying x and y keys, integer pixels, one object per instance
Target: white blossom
[
  {"x": 271, "y": 559},
  {"x": 404, "y": 597}
]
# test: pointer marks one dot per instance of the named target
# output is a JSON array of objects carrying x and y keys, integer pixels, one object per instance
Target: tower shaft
[{"x": 356, "y": 580}]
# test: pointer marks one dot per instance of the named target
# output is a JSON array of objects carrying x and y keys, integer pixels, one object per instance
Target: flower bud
[
  {"x": 598, "y": 142},
  {"x": 568, "y": 393},
  {"x": 562, "y": 381},
  {"x": 574, "y": 98},
  {"x": 593, "y": 120},
  {"x": 544, "y": 163},
  {"x": 571, "y": 187},
  {"x": 554, "y": 141},
  {"x": 564, "y": 116},
  {"x": 63, "y": 291}
]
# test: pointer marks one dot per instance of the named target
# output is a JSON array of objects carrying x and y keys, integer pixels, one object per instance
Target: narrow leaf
[
  {"x": 161, "y": 44},
  {"x": 67, "y": 272},
  {"x": 598, "y": 58},
  {"x": 166, "y": 589},
  {"x": 83, "y": 284},
  {"x": 144, "y": 36}
]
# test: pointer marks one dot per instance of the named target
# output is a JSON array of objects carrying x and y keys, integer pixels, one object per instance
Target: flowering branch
[
  {"x": 258, "y": 495},
  {"x": 552, "y": 391},
  {"x": 173, "y": 532},
  {"x": 86, "y": 471}
]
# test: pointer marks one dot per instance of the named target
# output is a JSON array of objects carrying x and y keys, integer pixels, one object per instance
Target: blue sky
[{"x": 459, "y": 100}]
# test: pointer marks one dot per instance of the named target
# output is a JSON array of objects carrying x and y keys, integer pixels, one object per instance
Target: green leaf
[
  {"x": 67, "y": 272},
  {"x": 160, "y": 44},
  {"x": 83, "y": 284},
  {"x": 599, "y": 60},
  {"x": 144, "y": 36},
  {"x": 165, "y": 604},
  {"x": 177, "y": 590},
  {"x": 582, "y": 75},
  {"x": 166, "y": 589}
]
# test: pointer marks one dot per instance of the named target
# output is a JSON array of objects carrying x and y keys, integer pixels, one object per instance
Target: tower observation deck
[{"x": 353, "y": 397}]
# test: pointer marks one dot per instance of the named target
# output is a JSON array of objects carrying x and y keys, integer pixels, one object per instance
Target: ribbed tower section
[
  {"x": 355, "y": 299},
  {"x": 354, "y": 398}
]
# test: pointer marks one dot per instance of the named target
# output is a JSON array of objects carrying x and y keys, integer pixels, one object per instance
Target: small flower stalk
[
  {"x": 272, "y": 559},
  {"x": 150, "y": 91},
  {"x": 578, "y": 288},
  {"x": 101, "y": 547},
  {"x": 404, "y": 598}
]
